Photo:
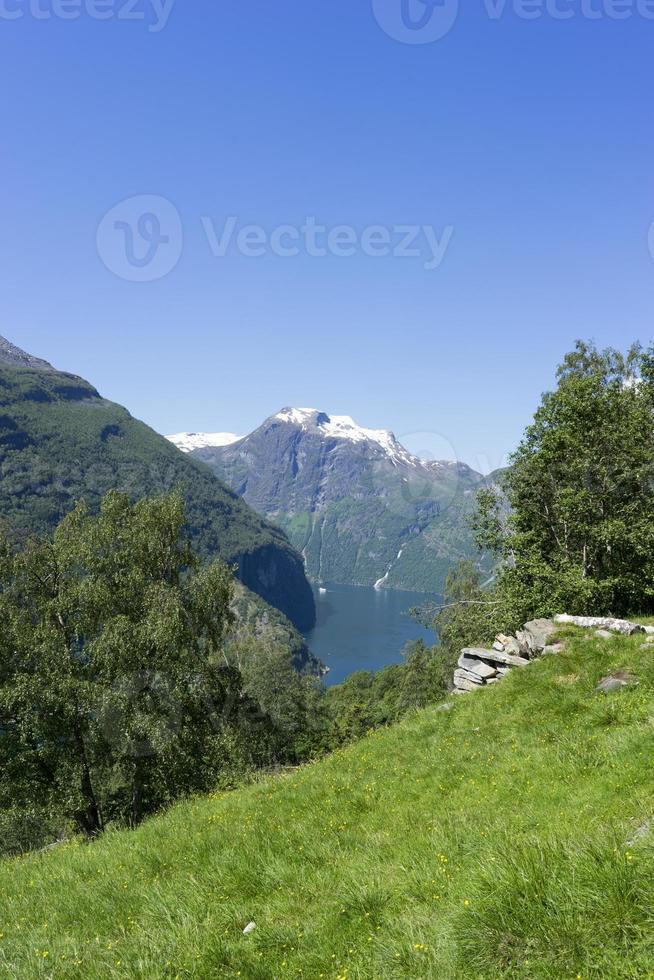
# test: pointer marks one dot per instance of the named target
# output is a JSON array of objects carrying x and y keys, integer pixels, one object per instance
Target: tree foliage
[
  {"x": 111, "y": 700},
  {"x": 572, "y": 522}
]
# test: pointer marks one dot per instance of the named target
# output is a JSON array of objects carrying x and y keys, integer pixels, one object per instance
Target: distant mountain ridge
[
  {"x": 361, "y": 508},
  {"x": 15, "y": 357},
  {"x": 60, "y": 441}
]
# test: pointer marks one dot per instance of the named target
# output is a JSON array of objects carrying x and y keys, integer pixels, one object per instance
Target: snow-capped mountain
[
  {"x": 188, "y": 441},
  {"x": 362, "y": 509},
  {"x": 310, "y": 420}
]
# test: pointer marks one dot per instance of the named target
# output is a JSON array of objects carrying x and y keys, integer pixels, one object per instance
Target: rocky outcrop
[{"x": 477, "y": 666}]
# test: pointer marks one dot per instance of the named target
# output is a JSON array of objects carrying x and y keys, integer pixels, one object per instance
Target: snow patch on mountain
[
  {"x": 344, "y": 427},
  {"x": 297, "y": 416},
  {"x": 188, "y": 441}
]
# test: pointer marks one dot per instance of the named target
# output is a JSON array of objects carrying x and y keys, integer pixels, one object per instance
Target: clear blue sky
[{"x": 534, "y": 139}]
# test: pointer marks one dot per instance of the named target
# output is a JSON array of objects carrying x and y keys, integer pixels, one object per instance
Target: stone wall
[{"x": 478, "y": 666}]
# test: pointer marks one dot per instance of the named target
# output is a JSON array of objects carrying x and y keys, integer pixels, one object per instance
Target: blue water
[{"x": 364, "y": 629}]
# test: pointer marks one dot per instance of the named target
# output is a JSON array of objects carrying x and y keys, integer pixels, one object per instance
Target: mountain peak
[
  {"x": 15, "y": 357},
  {"x": 360, "y": 507},
  {"x": 341, "y": 427}
]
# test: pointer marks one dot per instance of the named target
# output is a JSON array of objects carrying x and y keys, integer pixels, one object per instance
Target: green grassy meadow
[{"x": 504, "y": 837}]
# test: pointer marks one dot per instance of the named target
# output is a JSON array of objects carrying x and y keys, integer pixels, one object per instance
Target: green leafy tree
[
  {"x": 292, "y": 700},
  {"x": 112, "y": 700},
  {"x": 572, "y": 522},
  {"x": 470, "y": 613}
]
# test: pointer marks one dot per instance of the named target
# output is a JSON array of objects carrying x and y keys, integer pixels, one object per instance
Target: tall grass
[{"x": 487, "y": 841}]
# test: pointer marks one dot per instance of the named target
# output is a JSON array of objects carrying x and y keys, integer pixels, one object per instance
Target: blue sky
[{"x": 532, "y": 140}]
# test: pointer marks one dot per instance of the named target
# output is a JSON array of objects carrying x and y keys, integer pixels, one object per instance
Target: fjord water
[{"x": 359, "y": 628}]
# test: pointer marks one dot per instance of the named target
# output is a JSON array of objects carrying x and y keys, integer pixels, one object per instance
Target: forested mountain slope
[{"x": 60, "y": 441}]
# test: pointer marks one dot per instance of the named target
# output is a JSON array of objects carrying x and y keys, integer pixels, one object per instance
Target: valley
[{"x": 363, "y": 628}]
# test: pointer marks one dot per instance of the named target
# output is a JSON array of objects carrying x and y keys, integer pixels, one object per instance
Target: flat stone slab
[
  {"x": 495, "y": 656},
  {"x": 461, "y": 675},
  {"x": 616, "y": 682},
  {"x": 477, "y": 666},
  {"x": 463, "y": 680}
]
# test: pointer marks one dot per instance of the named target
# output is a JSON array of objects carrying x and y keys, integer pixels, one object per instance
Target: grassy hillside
[
  {"x": 60, "y": 441},
  {"x": 491, "y": 840}
]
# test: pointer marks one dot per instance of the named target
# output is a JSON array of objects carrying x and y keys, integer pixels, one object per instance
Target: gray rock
[
  {"x": 467, "y": 675},
  {"x": 459, "y": 690},
  {"x": 495, "y": 657},
  {"x": 524, "y": 640},
  {"x": 446, "y": 706},
  {"x": 477, "y": 666},
  {"x": 464, "y": 683},
  {"x": 250, "y": 927},
  {"x": 604, "y": 634},
  {"x": 554, "y": 648},
  {"x": 539, "y": 632},
  {"x": 615, "y": 682},
  {"x": 507, "y": 644},
  {"x": 609, "y": 684},
  {"x": 513, "y": 647}
]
